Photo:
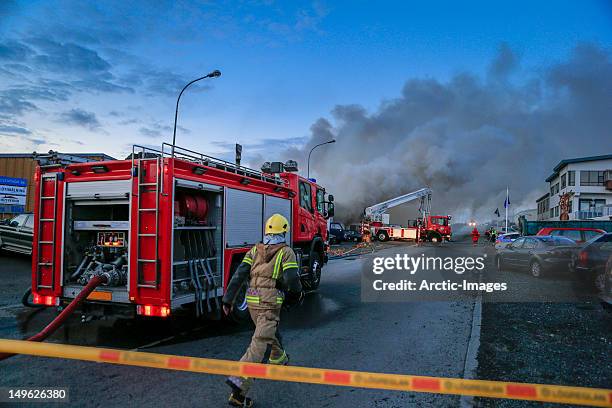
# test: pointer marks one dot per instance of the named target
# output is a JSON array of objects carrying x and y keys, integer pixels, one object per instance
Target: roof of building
[
  {"x": 26, "y": 155},
  {"x": 543, "y": 197},
  {"x": 565, "y": 162}
]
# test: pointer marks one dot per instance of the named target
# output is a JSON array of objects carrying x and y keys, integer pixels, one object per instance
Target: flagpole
[{"x": 507, "y": 205}]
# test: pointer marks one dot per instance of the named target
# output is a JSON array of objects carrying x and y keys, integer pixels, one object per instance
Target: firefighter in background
[
  {"x": 271, "y": 270},
  {"x": 475, "y": 236},
  {"x": 494, "y": 234}
]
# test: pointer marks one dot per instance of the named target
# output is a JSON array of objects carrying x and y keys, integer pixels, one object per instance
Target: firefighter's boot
[{"x": 237, "y": 399}]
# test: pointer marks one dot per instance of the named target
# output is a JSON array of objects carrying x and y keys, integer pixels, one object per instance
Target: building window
[
  {"x": 591, "y": 178},
  {"x": 556, "y": 211},
  {"x": 552, "y": 212},
  {"x": 588, "y": 204},
  {"x": 563, "y": 181},
  {"x": 569, "y": 207},
  {"x": 554, "y": 189},
  {"x": 571, "y": 178}
]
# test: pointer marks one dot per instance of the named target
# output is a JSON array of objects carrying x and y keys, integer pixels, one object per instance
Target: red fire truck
[
  {"x": 166, "y": 228},
  {"x": 434, "y": 228}
]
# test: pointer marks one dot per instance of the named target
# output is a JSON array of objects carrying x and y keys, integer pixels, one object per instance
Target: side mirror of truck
[
  {"x": 330, "y": 198},
  {"x": 330, "y": 210}
]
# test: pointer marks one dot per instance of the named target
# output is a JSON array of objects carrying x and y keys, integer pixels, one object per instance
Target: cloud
[
  {"x": 266, "y": 144},
  {"x": 55, "y": 70},
  {"x": 12, "y": 102},
  {"x": 67, "y": 57},
  {"x": 81, "y": 118},
  {"x": 16, "y": 135},
  {"x": 18, "y": 99},
  {"x": 467, "y": 138},
  {"x": 14, "y": 51},
  {"x": 14, "y": 130},
  {"x": 157, "y": 130}
]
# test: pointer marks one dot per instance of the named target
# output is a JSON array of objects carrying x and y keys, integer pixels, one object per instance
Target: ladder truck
[
  {"x": 165, "y": 229},
  {"x": 433, "y": 228}
]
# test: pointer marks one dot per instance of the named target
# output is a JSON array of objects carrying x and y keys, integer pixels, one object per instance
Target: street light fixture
[
  {"x": 320, "y": 144},
  {"x": 215, "y": 74}
]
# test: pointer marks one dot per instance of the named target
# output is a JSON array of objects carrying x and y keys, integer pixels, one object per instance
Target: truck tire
[
  {"x": 435, "y": 237},
  {"x": 315, "y": 265},
  {"x": 240, "y": 311},
  {"x": 382, "y": 236}
]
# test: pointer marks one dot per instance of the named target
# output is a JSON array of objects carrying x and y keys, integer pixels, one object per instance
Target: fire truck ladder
[
  {"x": 151, "y": 186},
  {"x": 375, "y": 212},
  {"x": 42, "y": 204}
]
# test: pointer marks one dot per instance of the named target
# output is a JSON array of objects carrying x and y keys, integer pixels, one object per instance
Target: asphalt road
[
  {"x": 528, "y": 342},
  {"x": 333, "y": 328}
]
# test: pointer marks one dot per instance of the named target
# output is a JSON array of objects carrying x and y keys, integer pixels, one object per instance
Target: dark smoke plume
[{"x": 467, "y": 138}]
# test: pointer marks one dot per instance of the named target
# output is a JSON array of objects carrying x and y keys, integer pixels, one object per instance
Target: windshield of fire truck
[{"x": 440, "y": 221}]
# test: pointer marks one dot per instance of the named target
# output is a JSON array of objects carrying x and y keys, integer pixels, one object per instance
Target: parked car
[
  {"x": 591, "y": 260},
  {"x": 575, "y": 234},
  {"x": 537, "y": 254},
  {"x": 336, "y": 232},
  {"x": 16, "y": 234},
  {"x": 504, "y": 239},
  {"x": 351, "y": 235}
]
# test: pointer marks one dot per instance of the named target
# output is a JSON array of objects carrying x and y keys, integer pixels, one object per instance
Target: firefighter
[
  {"x": 494, "y": 234},
  {"x": 271, "y": 270},
  {"x": 475, "y": 236}
]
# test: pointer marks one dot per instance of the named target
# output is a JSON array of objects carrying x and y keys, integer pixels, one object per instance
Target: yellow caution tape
[{"x": 437, "y": 385}]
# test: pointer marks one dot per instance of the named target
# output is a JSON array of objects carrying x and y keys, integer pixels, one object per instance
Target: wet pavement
[{"x": 332, "y": 329}]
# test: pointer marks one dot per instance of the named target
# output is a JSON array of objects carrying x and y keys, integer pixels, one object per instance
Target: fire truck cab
[{"x": 166, "y": 228}]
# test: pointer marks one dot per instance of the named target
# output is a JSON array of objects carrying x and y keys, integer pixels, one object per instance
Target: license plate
[{"x": 99, "y": 295}]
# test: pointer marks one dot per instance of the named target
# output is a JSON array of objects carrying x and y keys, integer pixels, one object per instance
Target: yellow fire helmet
[{"x": 276, "y": 224}]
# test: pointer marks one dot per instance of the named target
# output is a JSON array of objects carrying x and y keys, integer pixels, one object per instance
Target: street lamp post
[
  {"x": 215, "y": 74},
  {"x": 320, "y": 144}
]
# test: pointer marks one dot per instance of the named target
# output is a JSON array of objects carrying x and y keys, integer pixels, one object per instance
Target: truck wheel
[
  {"x": 382, "y": 236},
  {"x": 240, "y": 311},
  {"x": 435, "y": 238},
  {"x": 535, "y": 269},
  {"x": 314, "y": 277}
]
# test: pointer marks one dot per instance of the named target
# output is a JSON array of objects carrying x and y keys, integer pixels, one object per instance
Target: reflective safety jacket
[{"x": 271, "y": 271}]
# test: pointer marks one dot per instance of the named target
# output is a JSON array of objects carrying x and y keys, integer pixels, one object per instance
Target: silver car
[
  {"x": 16, "y": 234},
  {"x": 504, "y": 239}
]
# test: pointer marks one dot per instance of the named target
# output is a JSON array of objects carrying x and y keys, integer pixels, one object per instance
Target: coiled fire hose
[{"x": 61, "y": 318}]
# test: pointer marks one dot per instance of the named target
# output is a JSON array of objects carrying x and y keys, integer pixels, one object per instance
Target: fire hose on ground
[{"x": 93, "y": 283}]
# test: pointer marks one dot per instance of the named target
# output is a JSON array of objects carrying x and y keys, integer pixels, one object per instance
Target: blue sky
[{"x": 101, "y": 76}]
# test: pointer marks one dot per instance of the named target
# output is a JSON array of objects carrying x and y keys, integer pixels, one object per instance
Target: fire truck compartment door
[
  {"x": 112, "y": 189},
  {"x": 276, "y": 205},
  {"x": 243, "y": 218},
  {"x": 198, "y": 186}
]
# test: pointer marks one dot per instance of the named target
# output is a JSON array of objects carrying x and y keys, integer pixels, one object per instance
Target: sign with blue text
[{"x": 13, "y": 193}]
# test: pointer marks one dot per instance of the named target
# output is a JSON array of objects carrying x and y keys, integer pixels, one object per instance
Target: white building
[{"x": 589, "y": 180}]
